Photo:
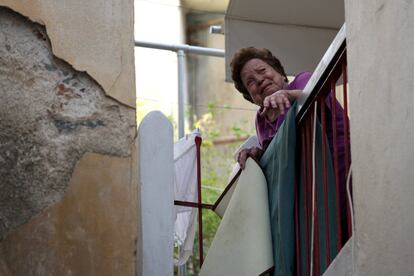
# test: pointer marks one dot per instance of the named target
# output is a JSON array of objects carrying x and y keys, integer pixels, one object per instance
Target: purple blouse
[{"x": 265, "y": 129}]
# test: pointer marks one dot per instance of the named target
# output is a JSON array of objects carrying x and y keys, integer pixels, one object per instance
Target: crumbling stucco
[
  {"x": 93, "y": 36},
  {"x": 50, "y": 115}
]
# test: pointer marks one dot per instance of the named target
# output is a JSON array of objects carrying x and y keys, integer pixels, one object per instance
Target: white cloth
[
  {"x": 242, "y": 245},
  {"x": 185, "y": 188}
]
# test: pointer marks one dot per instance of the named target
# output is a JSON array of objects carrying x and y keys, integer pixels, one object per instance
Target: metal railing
[
  {"x": 322, "y": 213},
  {"x": 322, "y": 222},
  {"x": 199, "y": 205}
]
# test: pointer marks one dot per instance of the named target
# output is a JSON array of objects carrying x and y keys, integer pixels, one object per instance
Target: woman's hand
[
  {"x": 255, "y": 153},
  {"x": 278, "y": 103}
]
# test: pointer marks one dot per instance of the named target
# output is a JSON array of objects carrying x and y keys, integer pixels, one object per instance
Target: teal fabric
[{"x": 280, "y": 165}]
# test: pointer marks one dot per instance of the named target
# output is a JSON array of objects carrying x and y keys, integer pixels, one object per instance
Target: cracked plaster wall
[
  {"x": 93, "y": 36},
  {"x": 50, "y": 116}
]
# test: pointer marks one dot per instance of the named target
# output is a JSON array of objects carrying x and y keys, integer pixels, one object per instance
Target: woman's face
[{"x": 261, "y": 80}]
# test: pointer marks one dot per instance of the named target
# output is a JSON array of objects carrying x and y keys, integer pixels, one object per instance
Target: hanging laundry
[{"x": 185, "y": 189}]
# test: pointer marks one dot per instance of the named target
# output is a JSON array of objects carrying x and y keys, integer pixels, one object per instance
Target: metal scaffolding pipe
[
  {"x": 182, "y": 90},
  {"x": 184, "y": 47},
  {"x": 181, "y": 50}
]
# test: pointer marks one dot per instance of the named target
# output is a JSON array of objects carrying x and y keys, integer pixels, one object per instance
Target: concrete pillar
[
  {"x": 380, "y": 35},
  {"x": 156, "y": 182}
]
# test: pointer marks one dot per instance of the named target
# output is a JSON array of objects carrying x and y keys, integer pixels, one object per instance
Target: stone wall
[{"x": 68, "y": 202}]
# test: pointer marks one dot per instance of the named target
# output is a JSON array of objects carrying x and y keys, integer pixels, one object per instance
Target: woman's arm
[
  {"x": 255, "y": 153},
  {"x": 277, "y": 103}
]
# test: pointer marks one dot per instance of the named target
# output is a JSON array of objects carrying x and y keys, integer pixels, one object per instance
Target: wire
[
  {"x": 201, "y": 105},
  {"x": 351, "y": 210},
  {"x": 212, "y": 188}
]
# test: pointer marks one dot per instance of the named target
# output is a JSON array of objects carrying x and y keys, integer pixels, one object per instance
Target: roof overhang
[
  {"x": 297, "y": 32},
  {"x": 218, "y": 6}
]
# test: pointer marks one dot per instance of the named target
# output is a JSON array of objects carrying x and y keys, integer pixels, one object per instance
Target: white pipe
[
  {"x": 182, "y": 90},
  {"x": 184, "y": 47},
  {"x": 181, "y": 50}
]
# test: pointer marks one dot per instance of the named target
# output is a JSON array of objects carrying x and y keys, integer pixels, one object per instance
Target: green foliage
[
  {"x": 208, "y": 128},
  {"x": 216, "y": 163},
  {"x": 210, "y": 107},
  {"x": 237, "y": 131}
]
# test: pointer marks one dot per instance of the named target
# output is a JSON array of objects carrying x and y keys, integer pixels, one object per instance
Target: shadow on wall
[{"x": 50, "y": 115}]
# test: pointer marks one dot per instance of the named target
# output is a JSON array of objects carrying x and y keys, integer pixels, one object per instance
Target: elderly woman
[{"x": 260, "y": 77}]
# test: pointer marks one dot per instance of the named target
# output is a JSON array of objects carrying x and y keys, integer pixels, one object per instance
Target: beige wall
[
  {"x": 381, "y": 65},
  {"x": 91, "y": 231},
  {"x": 93, "y": 36},
  {"x": 209, "y": 87},
  {"x": 80, "y": 217}
]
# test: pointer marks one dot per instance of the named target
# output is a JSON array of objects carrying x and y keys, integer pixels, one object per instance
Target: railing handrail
[{"x": 319, "y": 76}]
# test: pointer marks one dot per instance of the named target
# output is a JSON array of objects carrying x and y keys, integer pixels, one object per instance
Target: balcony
[
  {"x": 309, "y": 203},
  {"x": 321, "y": 214}
]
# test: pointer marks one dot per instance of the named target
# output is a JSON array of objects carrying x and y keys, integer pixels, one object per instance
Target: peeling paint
[
  {"x": 51, "y": 114},
  {"x": 105, "y": 50}
]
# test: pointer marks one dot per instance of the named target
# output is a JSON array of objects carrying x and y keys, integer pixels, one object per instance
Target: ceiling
[
  {"x": 298, "y": 32},
  {"x": 219, "y": 6},
  {"x": 315, "y": 13}
]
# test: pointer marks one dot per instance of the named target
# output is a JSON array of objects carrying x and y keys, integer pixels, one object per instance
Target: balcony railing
[{"x": 322, "y": 213}]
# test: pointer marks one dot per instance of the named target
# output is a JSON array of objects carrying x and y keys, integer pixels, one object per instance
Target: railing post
[
  {"x": 336, "y": 162},
  {"x": 325, "y": 177},
  {"x": 200, "y": 209},
  {"x": 305, "y": 194},
  {"x": 156, "y": 176}
]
